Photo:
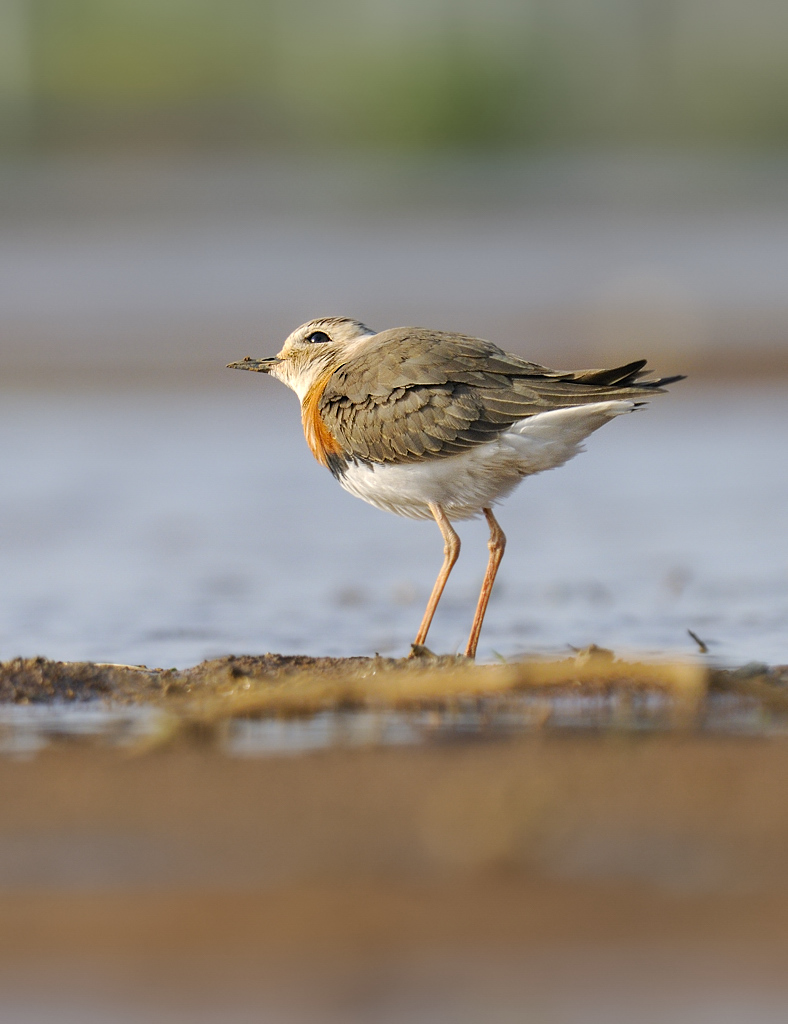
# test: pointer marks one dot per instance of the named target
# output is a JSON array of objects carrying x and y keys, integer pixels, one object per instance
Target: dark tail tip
[{"x": 662, "y": 382}]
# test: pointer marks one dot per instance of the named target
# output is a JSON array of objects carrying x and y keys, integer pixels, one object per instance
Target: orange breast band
[{"x": 318, "y": 436}]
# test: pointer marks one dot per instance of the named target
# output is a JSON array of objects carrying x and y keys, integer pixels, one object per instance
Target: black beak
[{"x": 260, "y": 365}]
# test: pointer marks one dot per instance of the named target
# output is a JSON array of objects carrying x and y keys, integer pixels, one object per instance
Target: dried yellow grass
[{"x": 412, "y": 686}]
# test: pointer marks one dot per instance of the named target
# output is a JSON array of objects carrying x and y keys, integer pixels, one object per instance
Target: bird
[{"x": 432, "y": 424}]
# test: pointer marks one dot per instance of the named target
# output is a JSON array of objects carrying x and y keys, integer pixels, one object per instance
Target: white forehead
[{"x": 338, "y": 328}]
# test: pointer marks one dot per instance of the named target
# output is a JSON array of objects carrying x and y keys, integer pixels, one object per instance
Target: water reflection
[{"x": 27, "y": 729}]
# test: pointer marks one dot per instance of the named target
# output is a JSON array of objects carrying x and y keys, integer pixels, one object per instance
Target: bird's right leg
[{"x": 451, "y": 552}]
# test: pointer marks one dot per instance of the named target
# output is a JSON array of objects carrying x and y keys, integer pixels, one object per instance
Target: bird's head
[{"x": 311, "y": 351}]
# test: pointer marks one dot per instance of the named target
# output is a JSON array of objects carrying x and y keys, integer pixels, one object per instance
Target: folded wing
[{"x": 415, "y": 394}]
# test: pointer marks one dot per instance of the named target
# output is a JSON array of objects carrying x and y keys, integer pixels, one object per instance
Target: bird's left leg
[
  {"x": 451, "y": 552},
  {"x": 497, "y": 545}
]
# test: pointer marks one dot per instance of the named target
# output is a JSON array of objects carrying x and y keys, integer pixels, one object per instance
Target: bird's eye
[{"x": 318, "y": 337}]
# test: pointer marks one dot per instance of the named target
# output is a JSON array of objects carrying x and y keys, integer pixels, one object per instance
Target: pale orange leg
[
  {"x": 451, "y": 552},
  {"x": 497, "y": 545}
]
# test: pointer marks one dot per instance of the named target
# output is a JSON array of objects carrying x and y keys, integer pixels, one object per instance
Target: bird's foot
[
  {"x": 593, "y": 653},
  {"x": 420, "y": 651}
]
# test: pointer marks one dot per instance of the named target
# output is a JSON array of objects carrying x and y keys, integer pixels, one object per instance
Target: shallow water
[{"x": 166, "y": 528}]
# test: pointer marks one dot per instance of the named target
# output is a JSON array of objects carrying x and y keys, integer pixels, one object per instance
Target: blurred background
[{"x": 182, "y": 184}]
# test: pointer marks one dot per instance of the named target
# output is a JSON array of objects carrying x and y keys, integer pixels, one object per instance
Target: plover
[{"x": 435, "y": 425}]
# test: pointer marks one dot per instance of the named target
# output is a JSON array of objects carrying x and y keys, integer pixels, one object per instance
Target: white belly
[{"x": 465, "y": 484}]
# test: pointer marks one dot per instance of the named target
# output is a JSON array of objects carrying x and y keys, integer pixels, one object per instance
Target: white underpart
[{"x": 465, "y": 484}]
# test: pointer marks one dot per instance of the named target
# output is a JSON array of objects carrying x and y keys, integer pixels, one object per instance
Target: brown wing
[{"x": 413, "y": 394}]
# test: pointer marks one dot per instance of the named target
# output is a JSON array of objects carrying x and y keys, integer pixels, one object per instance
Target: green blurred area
[{"x": 392, "y": 72}]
